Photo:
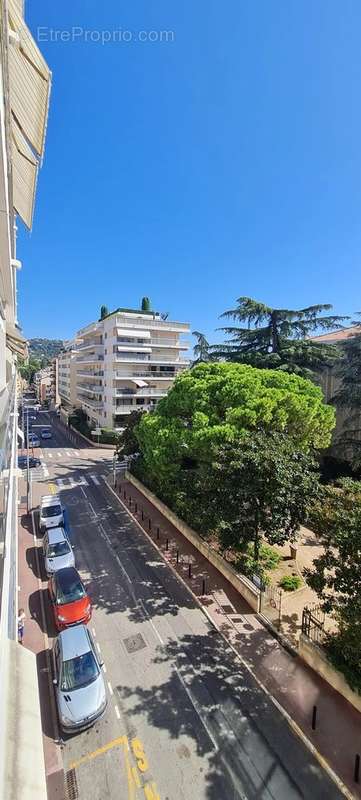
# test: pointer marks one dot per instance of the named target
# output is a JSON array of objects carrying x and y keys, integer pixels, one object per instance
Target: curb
[
  {"x": 292, "y": 651},
  {"x": 293, "y": 725}
]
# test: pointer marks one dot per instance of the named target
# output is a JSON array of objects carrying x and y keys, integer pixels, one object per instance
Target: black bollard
[
  {"x": 177, "y": 556},
  {"x": 314, "y": 715},
  {"x": 189, "y": 570},
  {"x": 158, "y": 533},
  {"x": 166, "y": 544},
  {"x": 356, "y": 775},
  {"x": 136, "y": 508},
  {"x": 150, "y": 524},
  {"x": 203, "y": 587},
  {"x": 142, "y": 514}
]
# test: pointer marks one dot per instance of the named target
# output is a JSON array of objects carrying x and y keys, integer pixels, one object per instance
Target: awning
[
  {"x": 138, "y": 382},
  {"x": 25, "y": 170},
  {"x": 29, "y": 82},
  {"x": 133, "y": 334},
  {"x": 133, "y": 348},
  {"x": 15, "y": 341}
]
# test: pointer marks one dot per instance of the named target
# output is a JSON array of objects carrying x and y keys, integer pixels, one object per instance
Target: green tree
[
  {"x": 336, "y": 574},
  {"x": 202, "y": 350},
  {"x": 146, "y": 305},
  {"x": 104, "y": 311},
  {"x": 127, "y": 443},
  {"x": 262, "y": 488},
  {"x": 27, "y": 371},
  {"x": 278, "y": 338},
  {"x": 211, "y": 407}
]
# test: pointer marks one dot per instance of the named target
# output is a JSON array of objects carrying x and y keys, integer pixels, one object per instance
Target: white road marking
[
  {"x": 116, "y": 709},
  {"x": 46, "y": 471},
  {"x": 195, "y": 706},
  {"x": 60, "y": 455},
  {"x": 95, "y": 479},
  {"x": 60, "y": 482},
  {"x": 68, "y": 454},
  {"x": 93, "y": 632},
  {"x": 76, "y": 453},
  {"x": 110, "y": 688},
  {"x": 98, "y": 647},
  {"x": 151, "y": 622},
  {"x": 50, "y": 455},
  {"x": 104, "y": 668}
]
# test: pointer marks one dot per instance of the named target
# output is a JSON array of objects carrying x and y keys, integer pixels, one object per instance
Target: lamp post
[{"x": 27, "y": 463}]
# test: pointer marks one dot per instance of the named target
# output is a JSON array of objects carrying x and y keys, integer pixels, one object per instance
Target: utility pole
[
  {"x": 114, "y": 469},
  {"x": 27, "y": 464}
]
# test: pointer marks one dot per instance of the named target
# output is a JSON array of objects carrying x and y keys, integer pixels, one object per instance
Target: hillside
[{"x": 44, "y": 349}]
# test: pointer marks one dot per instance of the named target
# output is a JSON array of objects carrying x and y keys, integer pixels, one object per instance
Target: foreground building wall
[
  {"x": 24, "y": 96},
  {"x": 127, "y": 362}
]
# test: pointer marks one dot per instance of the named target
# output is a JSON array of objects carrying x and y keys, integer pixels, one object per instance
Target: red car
[{"x": 69, "y": 599}]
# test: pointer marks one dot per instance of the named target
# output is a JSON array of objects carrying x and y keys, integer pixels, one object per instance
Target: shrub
[{"x": 290, "y": 583}]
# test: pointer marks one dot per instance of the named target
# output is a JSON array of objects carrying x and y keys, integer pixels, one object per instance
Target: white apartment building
[
  {"x": 127, "y": 362},
  {"x": 45, "y": 383},
  {"x": 67, "y": 375},
  {"x": 24, "y": 99}
]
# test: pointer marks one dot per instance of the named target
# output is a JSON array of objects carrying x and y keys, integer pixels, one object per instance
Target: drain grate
[
  {"x": 71, "y": 785},
  {"x": 134, "y": 643}
]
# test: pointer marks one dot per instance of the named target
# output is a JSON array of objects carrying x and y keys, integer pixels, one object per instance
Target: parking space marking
[
  {"x": 52, "y": 488},
  {"x": 110, "y": 688},
  {"x": 95, "y": 479},
  {"x": 116, "y": 709},
  {"x": 121, "y": 740},
  {"x": 98, "y": 647}
]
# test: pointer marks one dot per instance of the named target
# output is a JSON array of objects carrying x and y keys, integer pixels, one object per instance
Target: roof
[
  {"x": 338, "y": 336},
  {"x": 74, "y": 641},
  {"x": 56, "y": 535}
]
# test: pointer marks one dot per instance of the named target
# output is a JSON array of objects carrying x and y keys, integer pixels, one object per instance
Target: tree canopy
[
  {"x": 104, "y": 311},
  {"x": 278, "y": 338},
  {"x": 336, "y": 574},
  {"x": 146, "y": 304},
  {"x": 202, "y": 350}
]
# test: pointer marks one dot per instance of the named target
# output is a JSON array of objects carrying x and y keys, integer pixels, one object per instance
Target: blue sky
[{"x": 223, "y": 163}]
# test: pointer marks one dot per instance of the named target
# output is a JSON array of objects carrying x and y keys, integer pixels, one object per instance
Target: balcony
[
  {"x": 88, "y": 401},
  {"x": 169, "y": 343},
  {"x": 140, "y": 392},
  {"x": 89, "y": 359},
  {"x": 91, "y": 375},
  {"x": 129, "y": 374},
  {"x": 148, "y": 359},
  {"x": 94, "y": 389},
  {"x": 129, "y": 409},
  {"x": 90, "y": 344},
  {"x": 149, "y": 322}
]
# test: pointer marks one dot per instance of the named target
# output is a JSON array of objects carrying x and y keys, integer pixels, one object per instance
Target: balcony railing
[
  {"x": 140, "y": 392},
  {"x": 94, "y": 389},
  {"x": 90, "y": 359},
  {"x": 148, "y": 359},
  {"x": 92, "y": 375},
  {"x": 96, "y": 404},
  {"x": 128, "y": 374},
  {"x": 130, "y": 409},
  {"x": 91, "y": 343},
  {"x": 136, "y": 322}
]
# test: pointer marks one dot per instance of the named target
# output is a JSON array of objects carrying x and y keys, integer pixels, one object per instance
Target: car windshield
[
  {"x": 51, "y": 511},
  {"x": 45, "y": 430},
  {"x": 78, "y": 672},
  {"x": 73, "y": 591},
  {"x": 57, "y": 549}
]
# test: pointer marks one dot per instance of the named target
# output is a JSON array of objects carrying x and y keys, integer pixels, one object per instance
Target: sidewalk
[
  {"x": 292, "y": 684},
  {"x": 31, "y": 592}
]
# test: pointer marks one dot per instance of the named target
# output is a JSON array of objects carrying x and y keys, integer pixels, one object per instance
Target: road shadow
[{"x": 34, "y": 559}]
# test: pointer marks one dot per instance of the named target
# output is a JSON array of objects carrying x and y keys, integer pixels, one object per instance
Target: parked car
[
  {"x": 33, "y": 462},
  {"x": 69, "y": 598},
  {"x": 51, "y": 512},
  {"x": 46, "y": 433},
  {"x": 79, "y": 683},
  {"x": 32, "y": 439},
  {"x": 57, "y": 550}
]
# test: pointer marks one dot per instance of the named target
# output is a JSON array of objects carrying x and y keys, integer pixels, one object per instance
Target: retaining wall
[
  {"x": 316, "y": 658},
  {"x": 244, "y": 586}
]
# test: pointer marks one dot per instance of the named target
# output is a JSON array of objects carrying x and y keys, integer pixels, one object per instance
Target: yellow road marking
[
  {"x": 52, "y": 488},
  {"x": 114, "y": 743}
]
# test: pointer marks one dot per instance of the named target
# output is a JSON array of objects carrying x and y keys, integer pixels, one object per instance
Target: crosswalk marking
[
  {"x": 60, "y": 454},
  {"x": 68, "y": 454},
  {"x": 95, "y": 479},
  {"x": 76, "y": 453},
  {"x": 50, "y": 455}
]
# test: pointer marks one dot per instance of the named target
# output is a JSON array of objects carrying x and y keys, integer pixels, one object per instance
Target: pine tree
[
  {"x": 202, "y": 350},
  {"x": 104, "y": 311},
  {"x": 146, "y": 304},
  {"x": 278, "y": 338}
]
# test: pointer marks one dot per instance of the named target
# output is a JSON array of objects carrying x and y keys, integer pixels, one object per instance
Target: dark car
[{"x": 23, "y": 462}]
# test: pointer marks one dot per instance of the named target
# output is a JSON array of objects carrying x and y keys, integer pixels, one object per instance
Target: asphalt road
[{"x": 185, "y": 721}]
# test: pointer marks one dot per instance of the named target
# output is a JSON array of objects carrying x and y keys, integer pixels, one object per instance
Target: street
[{"x": 185, "y": 719}]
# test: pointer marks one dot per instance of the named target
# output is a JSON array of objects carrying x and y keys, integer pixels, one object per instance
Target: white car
[
  {"x": 51, "y": 512},
  {"x": 58, "y": 552}
]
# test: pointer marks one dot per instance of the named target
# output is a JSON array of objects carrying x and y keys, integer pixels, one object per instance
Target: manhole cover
[
  {"x": 134, "y": 643},
  {"x": 71, "y": 785}
]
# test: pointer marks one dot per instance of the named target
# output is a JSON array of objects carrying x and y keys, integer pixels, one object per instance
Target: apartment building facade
[
  {"x": 127, "y": 362},
  {"x": 67, "y": 376},
  {"x": 46, "y": 384},
  {"x": 24, "y": 97}
]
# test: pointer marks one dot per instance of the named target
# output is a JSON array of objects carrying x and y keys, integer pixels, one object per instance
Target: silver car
[
  {"x": 58, "y": 552},
  {"x": 80, "y": 686}
]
